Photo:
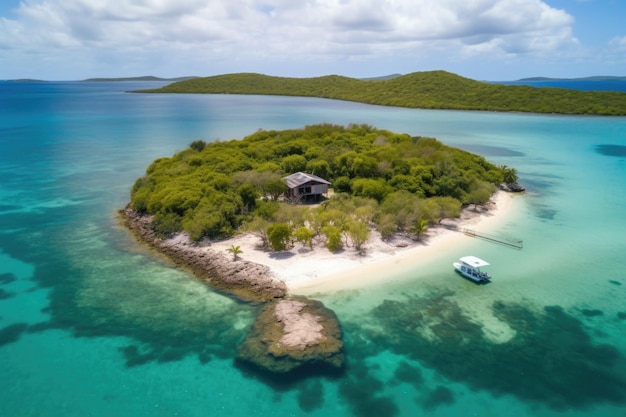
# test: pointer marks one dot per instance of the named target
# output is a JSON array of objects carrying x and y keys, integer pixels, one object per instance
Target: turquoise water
[{"x": 92, "y": 325}]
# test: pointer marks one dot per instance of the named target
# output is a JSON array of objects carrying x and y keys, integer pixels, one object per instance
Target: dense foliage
[
  {"x": 427, "y": 90},
  {"x": 393, "y": 181}
]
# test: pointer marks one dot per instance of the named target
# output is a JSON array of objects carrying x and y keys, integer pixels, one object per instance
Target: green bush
[
  {"x": 333, "y": 238},
  {"x": 165, "y": 224},
  {"x": 279, "y": 235}
]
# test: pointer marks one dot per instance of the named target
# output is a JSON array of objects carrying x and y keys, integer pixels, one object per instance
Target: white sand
[{"x": 307, "y": 271}]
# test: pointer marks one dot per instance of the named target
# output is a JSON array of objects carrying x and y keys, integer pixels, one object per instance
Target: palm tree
[
  {"x": 509, "y": 175},
  {"x": 420, "y": 228},
  {"x": 236, "y": 251}
]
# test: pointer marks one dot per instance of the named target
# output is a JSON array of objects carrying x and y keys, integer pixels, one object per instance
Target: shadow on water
[
  {"x": 618, "y": 151},
  {"x": 550, "y": 360}
]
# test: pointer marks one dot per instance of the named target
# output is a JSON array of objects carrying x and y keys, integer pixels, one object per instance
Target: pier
[{"x": 518, "y": 244}]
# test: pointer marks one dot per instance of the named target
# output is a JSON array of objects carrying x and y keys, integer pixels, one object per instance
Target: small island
[
  {"x": 422, "y": 90},
  {"x": 353, "y": 193}
]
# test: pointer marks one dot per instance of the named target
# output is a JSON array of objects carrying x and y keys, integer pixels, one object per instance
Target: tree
[
  {"x": 305, "y": 236},
  {"x": 420, "y": 228},
  {"x": 333, "y": 238},
  {"x": 364, "y": 166},
  {"x": 387, "y": 226},
  {"x": 359, "y": 233},
  {"x": 319, "y": 167},
  {"x": 442, "y": 208},
  {"x": 293, "y": 163},
  {"x": 198, "y": 145},
  {"x": 267, "y": 209},
  {"x": 371, "y": 188},
  {"x": 342, "y": 185},
  {"x": 248, "y": 194},
  {"x": 509, "y": 175},
  {"x": 275, "y": 188},
  {"x": 279, "y": 235},
  {"x": 258, "y": 227},
  {"x": 293, "y": 215},
  {"x": 236, "y": 251},
  {"x": 480, "y": 193}
]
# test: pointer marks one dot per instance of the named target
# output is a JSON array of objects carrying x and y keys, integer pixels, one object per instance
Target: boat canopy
[{"x": 474, "y": 261}]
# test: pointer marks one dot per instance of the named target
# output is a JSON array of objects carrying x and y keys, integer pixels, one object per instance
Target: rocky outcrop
[
  {"x": 287, "y": 334},
  {"x": 512, "y": 187},
  {"x": 291, "y": 333},
  {"x": 245, "y": 280}
]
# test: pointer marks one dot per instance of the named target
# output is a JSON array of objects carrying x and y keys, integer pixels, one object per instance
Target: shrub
[
  {"x": 166, "y": 224},
  {"x": 279, "y": 235},
  {"x": 333, "y": 238}
]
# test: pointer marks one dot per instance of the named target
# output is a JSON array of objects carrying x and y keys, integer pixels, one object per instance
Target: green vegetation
[
  {"x": 391, "y": 181},
  {"x": 235, "y": 250},
  {"x": 426, "y": 90}
]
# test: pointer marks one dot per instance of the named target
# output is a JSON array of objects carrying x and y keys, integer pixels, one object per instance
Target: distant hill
[
  {"x": 27, "y": 80},
  {"x": 426, "y": 90},
  {"x": 144, "y": 78},
  {"x": 381, "y": 78}
]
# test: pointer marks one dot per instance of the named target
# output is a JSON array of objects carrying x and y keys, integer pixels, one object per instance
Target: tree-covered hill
[
  {"x": 394, "y": 181},
  {"x": 427, "y": 90}
]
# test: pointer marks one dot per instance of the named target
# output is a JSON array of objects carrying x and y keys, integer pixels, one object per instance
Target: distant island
[
  {"x": 27, "y": 80},
  {"x": 425, "y": 90},
  {"x": 143, "y": 78}
]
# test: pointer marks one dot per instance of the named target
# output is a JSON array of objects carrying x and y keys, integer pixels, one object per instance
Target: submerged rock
[{"x": 291, "y": 333}]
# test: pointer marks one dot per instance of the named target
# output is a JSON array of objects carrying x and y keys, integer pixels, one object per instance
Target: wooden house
[{"x": 305, "y": 188}]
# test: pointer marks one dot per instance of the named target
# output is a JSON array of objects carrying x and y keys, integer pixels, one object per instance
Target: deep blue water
[
  {"x": 584, "y": 85},
  {"x": 93, "y": 325}
]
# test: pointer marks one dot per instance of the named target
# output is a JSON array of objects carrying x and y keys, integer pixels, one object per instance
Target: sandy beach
[{"x": 307, "y": 271}]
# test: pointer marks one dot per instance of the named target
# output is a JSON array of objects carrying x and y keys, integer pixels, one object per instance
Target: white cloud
[
  {"x": 618, "y": 43},
  {"x": 137, "y": 32}
]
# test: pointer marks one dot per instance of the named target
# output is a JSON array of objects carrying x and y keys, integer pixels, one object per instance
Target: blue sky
[{"x": 480, "y": 39}]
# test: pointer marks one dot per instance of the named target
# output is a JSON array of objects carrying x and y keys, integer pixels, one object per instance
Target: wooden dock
[{"x": 518, "y": 244}]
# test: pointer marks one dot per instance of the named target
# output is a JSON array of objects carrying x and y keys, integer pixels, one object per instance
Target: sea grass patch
[
  {"x": 12, "y": 333},
  {"x": 550, "y": 360}
]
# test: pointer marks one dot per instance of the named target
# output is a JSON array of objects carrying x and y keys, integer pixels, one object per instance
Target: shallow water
[{"x": 92, "y": 325}]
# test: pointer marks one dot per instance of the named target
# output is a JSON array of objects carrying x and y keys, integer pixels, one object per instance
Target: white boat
[{"x": 469, "y": 267}]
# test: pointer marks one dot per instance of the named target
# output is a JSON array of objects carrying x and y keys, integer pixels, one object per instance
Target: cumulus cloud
[{"x": 308, "y": 30}]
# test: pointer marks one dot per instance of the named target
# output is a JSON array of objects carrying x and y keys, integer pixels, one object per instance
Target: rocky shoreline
[
  {"x": 247, "y": 281},
  {"x": 288, "y": 332}
]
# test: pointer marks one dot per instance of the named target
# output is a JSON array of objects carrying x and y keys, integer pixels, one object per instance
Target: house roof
[{"x": 299, "y": 178}]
